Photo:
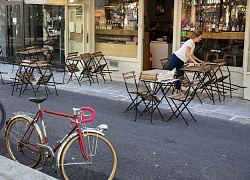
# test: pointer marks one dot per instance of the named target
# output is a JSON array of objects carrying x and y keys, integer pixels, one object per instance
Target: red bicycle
[{"x": 83, "y": 153}]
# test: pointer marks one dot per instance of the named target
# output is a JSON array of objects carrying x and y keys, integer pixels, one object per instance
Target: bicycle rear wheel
[
  {"x": 21, "y": 142},
  {"x": 102, "y": 154},
  {"x": 2, "y": 115}
]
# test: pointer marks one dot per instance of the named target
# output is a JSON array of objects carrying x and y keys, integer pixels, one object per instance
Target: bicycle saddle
[{"x": 38, "y": 100}]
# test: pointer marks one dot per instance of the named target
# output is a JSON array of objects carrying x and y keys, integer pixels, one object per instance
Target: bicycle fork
[
  {"x": 81, "y": 144},
  {"x": 77, "y": 112}
]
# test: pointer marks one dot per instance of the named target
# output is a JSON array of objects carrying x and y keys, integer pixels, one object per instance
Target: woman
[{"x": 184, "y": 54}]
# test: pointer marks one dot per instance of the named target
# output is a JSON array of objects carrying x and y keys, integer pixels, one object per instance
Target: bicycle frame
[{"x": 75, "y": 119}]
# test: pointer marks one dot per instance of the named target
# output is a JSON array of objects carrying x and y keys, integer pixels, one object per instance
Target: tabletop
[{"x": 162, "y": 76}]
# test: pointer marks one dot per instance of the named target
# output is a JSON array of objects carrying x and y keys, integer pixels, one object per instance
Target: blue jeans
[{"x": 175, "y": 62}]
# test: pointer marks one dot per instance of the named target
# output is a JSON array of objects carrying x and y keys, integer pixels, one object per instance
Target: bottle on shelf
[
  {"x": 209, "y": 27},
  {"x": 237, "y": 26},
  {"x": 242, "y": 29},
  {"x": 221, "y": 25},
  {"x": 216, "y": 27},
  {"x": 225, "y": 27},
  {"x": 233, "y": 24},
  {"x": 214, "y": 24}
]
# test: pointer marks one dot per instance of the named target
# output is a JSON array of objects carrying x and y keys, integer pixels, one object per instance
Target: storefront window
[
  {"x": 116, "y": 27},
  {"x": 44, "y": 26},
  {"x": 223, "y": 26},
  {"x": 2, "y": 27}
]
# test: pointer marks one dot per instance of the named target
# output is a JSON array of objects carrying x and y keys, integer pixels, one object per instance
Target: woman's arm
[
  {"x": 190, "y": 56},
  {"x": 195, "y": 58}
]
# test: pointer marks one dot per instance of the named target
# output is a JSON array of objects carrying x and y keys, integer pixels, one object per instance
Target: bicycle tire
[
  {"x": 26, "y": 152},
  {"x": 104, "y": 160},
  {"x": 2, "y": 115}
]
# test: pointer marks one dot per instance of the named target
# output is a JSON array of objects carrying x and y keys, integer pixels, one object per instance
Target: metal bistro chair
[
  {"x": 22, "y": 81},
  {"x": 46, "y": 75},
  {"x": 72, "y": 66},
  {"x": 182, "y": 100},
  {"x": 100, "y": 60},
  {"x": 222, "y": 82},
  {"x": 87, "y": 69},
  {"x": 150, "y": 99},
  {"x": 97, "y": 67},
  {"x": 164, "y": 62},
  {"x": 132, "y": 89}
]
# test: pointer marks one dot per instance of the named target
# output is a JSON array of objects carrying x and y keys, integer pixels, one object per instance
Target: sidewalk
[
  {"x": 11, "y": 170},
  {"x": 232, "y": 109}
]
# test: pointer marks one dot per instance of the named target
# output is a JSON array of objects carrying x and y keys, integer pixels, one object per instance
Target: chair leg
[{"x": 180, "y": 110}]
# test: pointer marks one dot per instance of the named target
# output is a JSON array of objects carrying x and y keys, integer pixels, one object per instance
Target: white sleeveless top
[{"x": 181, "y": 53}]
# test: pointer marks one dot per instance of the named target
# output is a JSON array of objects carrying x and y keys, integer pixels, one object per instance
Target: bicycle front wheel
[
  {"x": 98, "y": 149},
  {"x": 21, "y": 140},
  {"x": 2, "y": 115}
]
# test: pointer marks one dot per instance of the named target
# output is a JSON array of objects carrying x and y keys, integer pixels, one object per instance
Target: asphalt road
[{"x": 210, "y": 149}]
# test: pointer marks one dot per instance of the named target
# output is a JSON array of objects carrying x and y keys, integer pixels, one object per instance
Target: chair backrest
[
  {"x": 72, "y": 54},
  {"x": 129, "y": 77},
  {"x": 164, "y": 62},
  {"x": 98, "y": 61},
  {"x": 148, "y": 80},
  {"x": 97, "y": 54},
  {"x": 85, "y": 56},
  {"x": 99, "y": 58}
]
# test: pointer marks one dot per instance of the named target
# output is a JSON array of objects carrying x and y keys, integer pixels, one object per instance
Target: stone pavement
[
  {"x": 231, "y": 109},
  {"x": 11, "y": 170}
]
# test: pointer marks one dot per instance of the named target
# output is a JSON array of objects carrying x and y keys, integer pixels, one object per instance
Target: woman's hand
[
  {"x": 202, "y": 62},
  {"x": 196, "y": 64}
]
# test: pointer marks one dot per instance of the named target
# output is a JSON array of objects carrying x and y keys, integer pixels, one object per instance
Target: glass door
[
  {"x": 14, "y": 27},
  {"x": 75, "y": 29}
]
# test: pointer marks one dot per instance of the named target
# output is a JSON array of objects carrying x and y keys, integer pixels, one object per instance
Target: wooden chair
[
  {"x": 98, "y": 66},
  {"x": 100, "y": 61},
  {"x": 182, "y": 100},
  {"x": 87, "y": 69},
  {"x": 72, "y": 67},
  {"x": 22, "y": 81},
  {"x": 164, "y": 62},
  {"x": 150, "y": 99},
  {"x": 133, "y": 91},
  {"x": 46, "y": 74}
]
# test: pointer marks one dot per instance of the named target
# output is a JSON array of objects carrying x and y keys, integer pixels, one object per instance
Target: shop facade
[
  {"x": 123, "y": 30},
  {"x": 226, "y": 33}
]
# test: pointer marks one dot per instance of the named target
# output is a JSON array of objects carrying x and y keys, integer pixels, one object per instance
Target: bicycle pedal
[{"x": 39, "y": 169}]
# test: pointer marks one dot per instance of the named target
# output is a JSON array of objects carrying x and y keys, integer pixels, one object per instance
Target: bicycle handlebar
[
  {"x": 82, "y": 116},
  {"x": 83, "y": 120}
]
